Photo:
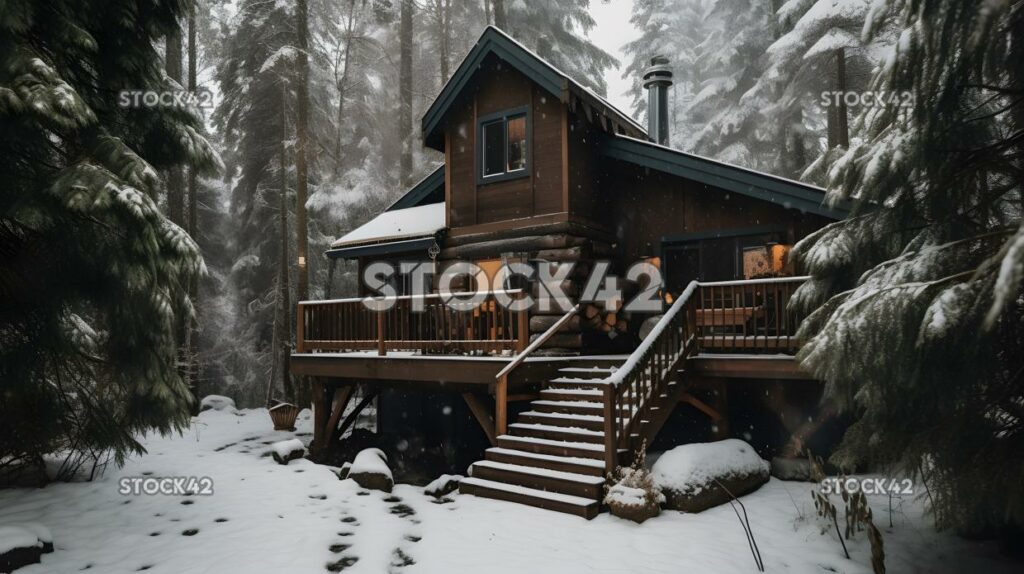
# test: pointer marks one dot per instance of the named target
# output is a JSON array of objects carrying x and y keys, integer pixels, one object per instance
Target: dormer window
[{"x": 503, "y": 149}]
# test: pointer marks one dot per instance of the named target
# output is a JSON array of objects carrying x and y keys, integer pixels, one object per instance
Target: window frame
[{"x": 503, "y": 117}]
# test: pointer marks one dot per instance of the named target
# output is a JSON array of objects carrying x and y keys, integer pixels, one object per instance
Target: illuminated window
[{"x": 503, "y": 149}]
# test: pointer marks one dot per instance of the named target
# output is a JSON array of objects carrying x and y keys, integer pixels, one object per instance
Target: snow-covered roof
[{"x": 395, "y": 225}]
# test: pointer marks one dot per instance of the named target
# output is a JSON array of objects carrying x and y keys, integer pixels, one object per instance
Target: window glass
[
  {"x": 516, "y": 143},
  {"x": 494, "y": 148}
]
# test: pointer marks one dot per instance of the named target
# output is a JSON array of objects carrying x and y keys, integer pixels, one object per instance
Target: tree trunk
[
  {"x": 282, "y": 328},
  {"x": 405, "y": 92},
  {"x": 444, "y": 21},
  {"x": 175, "y": 176},
  {"x": 301, "y": 173},
  {"x": 499, "y": 14},
  {"x": 838, "y": 123},
  {"x": 193, "y": 227},
  {"x": 341, "y": 83}
]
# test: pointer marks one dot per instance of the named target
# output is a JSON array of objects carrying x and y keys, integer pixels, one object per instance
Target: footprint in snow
[
  {"x": 190, "y": 532},
  {"x": 400, "y": 559},
  {"x": 363, "y": 493},
  {"x": 402, "y": 510},
  {"x": 392, "y": 498},
  {"x": 342, "y": 564},
  {"x": 318, "y": 496},
  {"x": 412, "y": 538},
  {"x": 350, "y": 520}
]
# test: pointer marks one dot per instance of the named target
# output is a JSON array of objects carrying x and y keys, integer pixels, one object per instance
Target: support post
[
  {"x": 320, "y": 415},
  {"x": 342, "y": 395},
  {"x": 300, "y": 329},
  {"x": 501, "y": 406},
  {"x": 381, "y": 349},
  {"x": 611, "y": 447}
]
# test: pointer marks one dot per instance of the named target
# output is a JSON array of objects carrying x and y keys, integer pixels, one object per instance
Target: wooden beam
[
  {"x": 351, "y": 418},
  {"x": 320, "y": 414},
  {"x": 482, "y": 415},
  {"x": 501, "y": 406},
  {"x": 342, "y": 395},
  {"x": 701, "y": 406}
]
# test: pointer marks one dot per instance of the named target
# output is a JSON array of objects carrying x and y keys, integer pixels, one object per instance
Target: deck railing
[
  {"x": 736, "y": 316},
  {"x": 349, "y": 325},
  {"x": 748, "y": 315}
]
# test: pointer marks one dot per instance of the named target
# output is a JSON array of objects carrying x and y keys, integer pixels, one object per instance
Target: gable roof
[
  {"x": 430, "y": 189},
  {"x": 548, "y": 77},
  {"x": 759, "y": 185}
]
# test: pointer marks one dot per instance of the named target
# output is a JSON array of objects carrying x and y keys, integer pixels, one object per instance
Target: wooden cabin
[{"x": 538, "y": 169}]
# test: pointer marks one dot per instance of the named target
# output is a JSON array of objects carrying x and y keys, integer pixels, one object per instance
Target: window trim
[{"x": 503, "y": 116}]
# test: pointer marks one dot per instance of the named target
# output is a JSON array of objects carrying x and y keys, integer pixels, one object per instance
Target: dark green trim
[
  {"x": 405, "y": 246},
  {"x": 423, "y": 193},
  {"x": 478, "y": 159},
  {"x": 494, "y": 41},
  {"x": 781, "y": 191},
  {"x": 678, "y": 238}
]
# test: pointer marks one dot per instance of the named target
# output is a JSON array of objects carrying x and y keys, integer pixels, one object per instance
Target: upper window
[{"x": 503, "y": 146}]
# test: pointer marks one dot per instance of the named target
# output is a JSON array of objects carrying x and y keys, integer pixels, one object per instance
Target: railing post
[
  {"x": 300, "y": 329},
  {"x": 523, "y": 340},
  {"x": 611, "y": 446},
  {"x": 381, "y": 349},
  {"x": 501, "y": 406}
]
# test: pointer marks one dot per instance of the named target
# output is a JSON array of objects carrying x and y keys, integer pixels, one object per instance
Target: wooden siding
[{"x": 540, "y": 192}]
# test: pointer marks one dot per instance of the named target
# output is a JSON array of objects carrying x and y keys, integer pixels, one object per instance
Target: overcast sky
[{"x": 611, "y": 32}]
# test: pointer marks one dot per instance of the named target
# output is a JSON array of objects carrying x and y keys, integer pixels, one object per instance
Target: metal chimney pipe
[{"x": 657, "y": 80}]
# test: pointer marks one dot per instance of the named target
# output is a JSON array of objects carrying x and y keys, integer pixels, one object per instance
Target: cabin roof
[
  {"x": 779, "y": 190},
  {"x": 548, "y": 77},
  {"x": 430, "y": 189},
  {"x": 392, "y": 231}
]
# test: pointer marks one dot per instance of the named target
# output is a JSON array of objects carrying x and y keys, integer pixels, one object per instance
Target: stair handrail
[
  {"x": 536, "y": 343},
  {"x": 501, "y": 386},
  {"x": 629, "y": 377}
]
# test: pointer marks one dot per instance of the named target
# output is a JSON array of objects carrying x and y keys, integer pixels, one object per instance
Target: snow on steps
[
  {"x": 583, "y": 485},
  {"x": 554, "y": 447},
  {"x": 592, "y": 422},
  {"x": 572, "y": 464},
  {"x": 585, "y": 507},
  {"x": 586, "y": 395},
  {"x": 561, "y": 433}
]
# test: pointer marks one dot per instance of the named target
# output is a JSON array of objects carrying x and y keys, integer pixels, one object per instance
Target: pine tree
[
  {"x": 94, "y": 276},
  {"x": 918, "y": 327}
]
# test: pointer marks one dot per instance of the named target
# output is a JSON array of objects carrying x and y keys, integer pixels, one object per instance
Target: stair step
[
  {"x": 572, "y": 407},
  {"x": 575, "y": 383},
  {"x": 592, "y": 422},
  {"x": 555, "y": 447},
  {"x": 553, "y": 432},
  {"x": 596, "y": 371},
  {"x": 540, "y": 478},
  {"x": 576, "y": 465},
  {"x": 563, "y": 394},
  {"x": 567, "y": 503}
]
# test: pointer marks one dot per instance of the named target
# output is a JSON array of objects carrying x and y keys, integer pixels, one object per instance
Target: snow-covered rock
[
  {"x": 695, "y": 477},
  {"x": 633, "y": 503},
  {"x": 286, "y": 451},
  {"x": 443, "y": 485},
  {"x": 23, "y": 544},
  {"x": 217, "y": 403},
  {"x": 370, "y": 470},
  {"x": 791, "y": 468},
  {"x": 344, "y": 470}
]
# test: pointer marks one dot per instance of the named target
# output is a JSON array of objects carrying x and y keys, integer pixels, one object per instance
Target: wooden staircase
[
  {"x": 557, "y": 454},
  {"x": 553, "y": 456}
]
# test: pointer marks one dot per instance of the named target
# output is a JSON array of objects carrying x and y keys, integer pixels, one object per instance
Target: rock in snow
[
  {"x": 286, "y": 451},
  {"x": 217, "y": 403},
  {"x": 23, "y": 544},
  {"x": 695, "y": 477},
  {"x": 443, "y": 485},
  {"x": 633, "y": 503},
  {"x": 344, "y": 470},
  {"x": 370, "y": 470}
]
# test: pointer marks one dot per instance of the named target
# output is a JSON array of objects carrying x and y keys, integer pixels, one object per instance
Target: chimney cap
[{"x": 658, "y": 73}]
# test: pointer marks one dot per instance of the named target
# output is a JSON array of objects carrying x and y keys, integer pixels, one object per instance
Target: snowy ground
[{"x": 263, "y": 517}]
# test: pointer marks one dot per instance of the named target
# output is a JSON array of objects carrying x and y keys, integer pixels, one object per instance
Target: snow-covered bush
[
  {"x": 695, "y": 477},
  {"x": 443, "y": 485},
  {"x": 634, "y": 495},
  {"x": 23, "y": 544},
  {"x": 217, "y": 403}
]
